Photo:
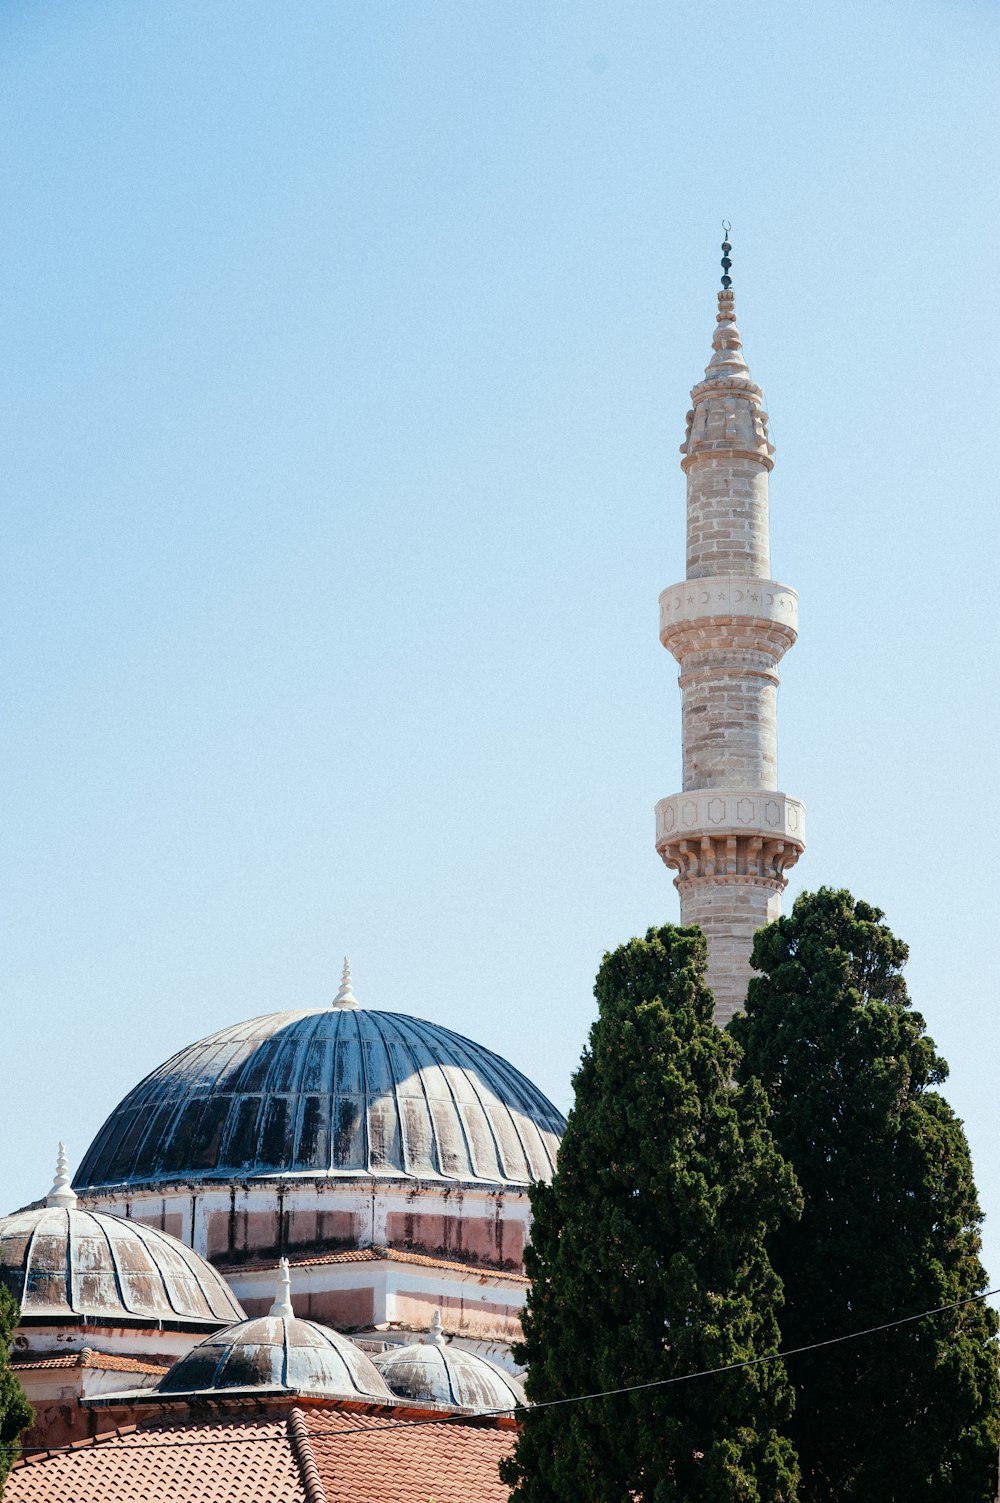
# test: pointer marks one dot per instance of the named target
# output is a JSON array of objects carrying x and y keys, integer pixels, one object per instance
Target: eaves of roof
[{"x": 87, "y": 1357}]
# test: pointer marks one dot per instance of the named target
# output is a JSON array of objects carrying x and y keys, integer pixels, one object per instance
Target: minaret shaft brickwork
[{"x": 729, "y": 835}]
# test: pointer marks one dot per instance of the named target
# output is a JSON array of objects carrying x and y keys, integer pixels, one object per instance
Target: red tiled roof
[
  {"x": 369, "y": 1459},
  {"x": 110, "y": 1362},
  {"x": 65, "y": 1359},
  {"x": 315, "y": 1455},
  {"x": 241, "y": 1461},
  {"x": 397, "y": 1255},
  {"x": 377, "y": 1255},
  {"x": 102, "y": 1361}
]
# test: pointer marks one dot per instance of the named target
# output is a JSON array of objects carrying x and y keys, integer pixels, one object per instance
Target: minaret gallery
[{"x": 730, "y": 835}]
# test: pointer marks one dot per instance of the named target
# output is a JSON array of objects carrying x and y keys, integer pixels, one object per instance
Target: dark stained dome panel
[
  {"x": 275, "y": 1353},
  {"x": 338, "y": 1092}
]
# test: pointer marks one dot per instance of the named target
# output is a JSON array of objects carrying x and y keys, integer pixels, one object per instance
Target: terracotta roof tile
[
  {"x": 380, "y": 1254},
  {"x": 110, "y": 1362},
  {"x": 397, "y": 1255},
  {"x": 240, "y": 1461},
  {"x": 31, "y": 1364},
  {"x": 371, "y": 1459},
  {"x": 102, "y": 1361},
  {"x": 314, "y": 1455}
]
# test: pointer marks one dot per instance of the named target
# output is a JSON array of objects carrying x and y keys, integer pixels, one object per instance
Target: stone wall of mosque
[{"x": 280, "y": 1216}]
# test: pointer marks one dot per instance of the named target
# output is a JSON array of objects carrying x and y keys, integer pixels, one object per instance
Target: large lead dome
[{"x": 333, "y": 1092}]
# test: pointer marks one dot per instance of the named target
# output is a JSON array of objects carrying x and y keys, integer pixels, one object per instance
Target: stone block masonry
[{"x": 729, "y": 835}]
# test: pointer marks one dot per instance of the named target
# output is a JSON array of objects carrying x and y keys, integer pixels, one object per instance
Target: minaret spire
[{"x": 730, "y": 835}]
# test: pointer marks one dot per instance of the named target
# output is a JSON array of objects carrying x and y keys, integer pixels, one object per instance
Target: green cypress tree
[
  {"x": 891, "y": 1219},
  {"x": 15, "y": 1411},
  {"x": 648, "y": 1262}
]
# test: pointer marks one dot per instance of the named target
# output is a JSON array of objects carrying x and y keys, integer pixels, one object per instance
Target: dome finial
[
  {"x": 437, "y": 1329},
  {"x": 282, "y": 1307},
  {"x": 62, "y": 1192},
  {"x": 727, "y": 280},
  {"x": 345, "y": 997}
]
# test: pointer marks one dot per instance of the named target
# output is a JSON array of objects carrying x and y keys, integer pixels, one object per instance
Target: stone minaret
[{"x": 730, "y": 835}]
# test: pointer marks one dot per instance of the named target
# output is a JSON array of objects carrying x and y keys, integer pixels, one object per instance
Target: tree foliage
[
  {"x": 648, "y": 1261},
  {"x": 15, "y": 1411},
  {"x": 891, "y": 1220}
]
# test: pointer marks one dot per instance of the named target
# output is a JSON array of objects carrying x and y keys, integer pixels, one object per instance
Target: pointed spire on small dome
[
  {"x": 62, "y": 1192},
  {"x": 345, "y": 997},
  {"x": 436, "y": 1337},
  {"x": 282, "y": 1307}
]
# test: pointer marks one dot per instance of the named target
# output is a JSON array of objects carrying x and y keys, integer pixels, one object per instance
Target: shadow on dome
[{"x": 337, "y": 1092}]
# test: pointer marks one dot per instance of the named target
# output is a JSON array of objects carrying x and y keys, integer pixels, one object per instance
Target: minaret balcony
[
  {"x": 696, "y": 611},
  {"x": 725, "y": 813}
]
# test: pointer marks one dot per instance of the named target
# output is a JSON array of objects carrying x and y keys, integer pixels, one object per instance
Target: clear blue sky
[{"x": 346, "y": 350}]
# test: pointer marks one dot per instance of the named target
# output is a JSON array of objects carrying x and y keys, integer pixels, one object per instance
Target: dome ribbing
[
  {"x": 275, "y": 1352},
  {"x": 335, "y": 1092},
  {"x": 67, "y": 1266},
  {"x": 431, "y": 1371}
]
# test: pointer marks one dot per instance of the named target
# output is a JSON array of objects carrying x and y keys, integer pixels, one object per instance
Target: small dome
[
  {"x": 339, "y": 1092},
  {"x": 66, "y": 1265},
  {"x": 434, "y": 1372},
  {"x": 277, "y": 1351}
]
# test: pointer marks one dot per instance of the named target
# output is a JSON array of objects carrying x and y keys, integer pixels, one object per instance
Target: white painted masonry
[{"x": 729, "y": 835}]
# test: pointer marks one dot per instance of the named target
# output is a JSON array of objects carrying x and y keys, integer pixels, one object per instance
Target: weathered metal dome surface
[
  {"x": 340, "y": 1091},
  {"x": 65, "y": 1265},
  {"x": 434, "y": 1372},
  {"x": 277, "y": 1352}
]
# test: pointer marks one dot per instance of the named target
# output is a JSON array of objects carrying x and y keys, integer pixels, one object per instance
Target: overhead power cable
[{"x": 392, "y": 1426}]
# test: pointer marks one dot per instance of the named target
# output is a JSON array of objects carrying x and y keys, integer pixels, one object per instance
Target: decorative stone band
[
  {"x": 737, "y": 386},
  {"x": 730, "y": 859},
  {"x": 748, "y": 835},
  {"x": 727, "y": 595}
]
